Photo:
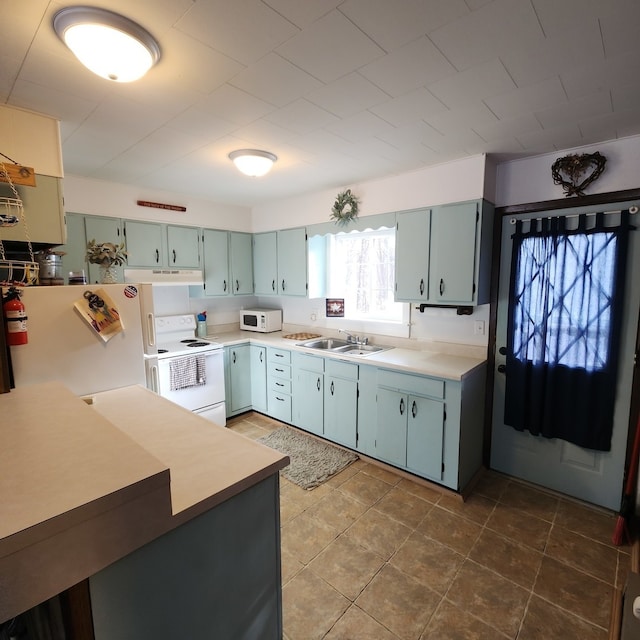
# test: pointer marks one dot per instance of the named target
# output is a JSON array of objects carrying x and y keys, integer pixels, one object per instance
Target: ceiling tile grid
[{"x": 339, "y": 90}]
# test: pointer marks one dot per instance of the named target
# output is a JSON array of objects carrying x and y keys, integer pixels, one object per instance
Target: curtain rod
[{"x": 632, "y": 210}]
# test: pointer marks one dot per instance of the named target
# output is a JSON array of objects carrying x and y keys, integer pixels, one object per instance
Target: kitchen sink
[
  {"x": 335, "y": 345},
  {"x": 327, "y": 344}
]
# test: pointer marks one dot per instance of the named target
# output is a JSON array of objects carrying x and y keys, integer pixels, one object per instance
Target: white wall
[
  {"x": 100, "y": 198},
  {"x": 529, "y": 179},
  {"x": 454, "y": 181}
]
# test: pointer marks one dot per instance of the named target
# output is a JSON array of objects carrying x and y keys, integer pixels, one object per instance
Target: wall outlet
[
  {"x": 314, "y": 315},
  {"x": 478, "y": 327}
]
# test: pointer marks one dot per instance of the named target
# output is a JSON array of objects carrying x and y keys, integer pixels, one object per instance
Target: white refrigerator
[{"x": 64, "y": 345}]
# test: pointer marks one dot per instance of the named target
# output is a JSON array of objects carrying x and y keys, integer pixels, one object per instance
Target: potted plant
[{"x": 107, "y": 255}]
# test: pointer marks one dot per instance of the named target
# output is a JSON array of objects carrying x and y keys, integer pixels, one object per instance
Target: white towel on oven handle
[{"x": 186, "y": 372}]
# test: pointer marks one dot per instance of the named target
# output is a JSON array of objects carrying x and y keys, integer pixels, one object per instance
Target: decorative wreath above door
[{"x": 569, "y": 170}]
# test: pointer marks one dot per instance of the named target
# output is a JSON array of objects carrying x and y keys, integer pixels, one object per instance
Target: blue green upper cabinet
[
  {"x": 153, "y": 244},
  {"x": 443, "y": 254},
  {"x": 228, "y": 263}
]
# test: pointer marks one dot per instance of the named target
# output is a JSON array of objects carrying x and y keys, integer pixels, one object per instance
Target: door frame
[{"x": 535, "y": 207}]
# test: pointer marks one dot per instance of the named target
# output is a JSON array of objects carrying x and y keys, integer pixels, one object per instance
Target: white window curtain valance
[{"x": 366, "y": 223}]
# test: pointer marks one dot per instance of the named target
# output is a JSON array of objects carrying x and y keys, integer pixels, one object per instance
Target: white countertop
[{"x": 429, "y": 362}]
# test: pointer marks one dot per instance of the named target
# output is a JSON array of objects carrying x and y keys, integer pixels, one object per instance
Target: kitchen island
[{"x": 149, "y": 502}]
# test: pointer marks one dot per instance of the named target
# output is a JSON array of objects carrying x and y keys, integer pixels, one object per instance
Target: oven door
[{"x": 198, "y": 397}]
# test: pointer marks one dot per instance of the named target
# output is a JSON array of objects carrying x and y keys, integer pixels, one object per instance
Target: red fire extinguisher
[{"x": 15, "y": 318}]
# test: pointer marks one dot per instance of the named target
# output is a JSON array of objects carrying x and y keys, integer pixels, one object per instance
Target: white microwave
[{"x": 263, "y": 320}]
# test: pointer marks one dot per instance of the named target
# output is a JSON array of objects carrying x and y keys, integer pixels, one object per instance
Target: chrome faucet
[{"x": 351, "y": 339}]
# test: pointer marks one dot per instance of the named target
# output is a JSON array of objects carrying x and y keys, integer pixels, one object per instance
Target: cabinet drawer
[
  {"x": 279, "y": 355},
  {"x": 279, "y": 406},
  {"x": 412, "y": 384},
  {"x": 280, "y": 385},
  {"x": 277, "y": 370},
  {"x": 307, "y": 362},
  {"x": 341, "y": 369}
]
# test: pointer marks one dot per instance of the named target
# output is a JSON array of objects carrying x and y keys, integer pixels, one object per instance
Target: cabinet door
[
  {"x": 216, "y": 263},
  {"x": 265, "y": 263},
  {"x": 292, "y": 262},
  {"x": 146, "y": 245},
  {"x": 413, "y": 230},
  {"x": 241, "y": 263},
  {"x": 453, "y": 253},
  {"x": 103, "y": 230},
  {"x": 341, "y": 410},
  {"x": 391, "y": 433},
  {"x": 425, "y": 431},
  {"x": 184, "y": 247},
  {"x": 76, "y": 247},
  {"x": 308, "y": 400},
  {"x": 239, "y": 377},
  {"x": 258, "y": 377}
]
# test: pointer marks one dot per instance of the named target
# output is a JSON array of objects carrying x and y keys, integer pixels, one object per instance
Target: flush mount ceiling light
[
  {"x": 253, "y": 162},
  {"x": 107, "y": 43}
]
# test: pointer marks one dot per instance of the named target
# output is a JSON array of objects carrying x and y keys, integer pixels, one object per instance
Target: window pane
[{"x": 362, "y": 271}]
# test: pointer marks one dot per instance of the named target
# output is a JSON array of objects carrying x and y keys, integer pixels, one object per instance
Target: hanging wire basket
[{"x": 15, "y": 272}]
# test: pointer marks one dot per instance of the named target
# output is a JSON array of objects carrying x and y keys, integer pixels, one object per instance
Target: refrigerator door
[{"x": 62, "y": 346}]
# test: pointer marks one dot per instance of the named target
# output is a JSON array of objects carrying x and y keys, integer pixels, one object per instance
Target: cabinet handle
[
  {"x": 441, "y": 286},
  {"x": 273, "y": 285},
  {"x": 261, "y": 356},
  {"x": 283, "y": 284},
  {"x": 421, "y": 286},
  {"x": 280, "y": 399},
  {"x": 279, "y": 355},
  {"x": 279, "y": 384},
  {"x": 502, "y": 368},
  {"x": 234, "y": 357},
  {"x": 414, "y": 409},
  {"x": 318, "y": 384},
  {"x": 157, "y": 256},
  {"x": 331, "y": 387},
  {"x": 279, "y": 370},
  {"x": 174, "y": 255},
  {"x": 237, "y": 286},
  {"x": 401, "y": 406},
  {"x": 224, "y": 285}
]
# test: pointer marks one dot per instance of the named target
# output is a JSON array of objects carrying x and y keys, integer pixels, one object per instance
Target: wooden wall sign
[
  {"x": 18, "y": 174},
  {"x": 160, "y": 205}
]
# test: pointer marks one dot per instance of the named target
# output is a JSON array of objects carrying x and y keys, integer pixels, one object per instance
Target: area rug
[{"x": 312, "y": 462}]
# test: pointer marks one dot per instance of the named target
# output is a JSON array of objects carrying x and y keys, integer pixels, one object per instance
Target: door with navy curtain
[{"x": 563, "y": 369}]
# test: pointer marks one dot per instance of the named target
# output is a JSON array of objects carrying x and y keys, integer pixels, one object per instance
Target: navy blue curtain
[{"x": 565, "y": 313}]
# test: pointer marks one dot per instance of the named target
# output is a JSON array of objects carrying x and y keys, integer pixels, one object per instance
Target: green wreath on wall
[{"x": 345, "y": 208}]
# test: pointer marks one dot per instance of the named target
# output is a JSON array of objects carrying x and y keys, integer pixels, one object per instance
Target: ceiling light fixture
[
  {"x": 253, "y": 162},
  {"x": 107, "y": 43}
]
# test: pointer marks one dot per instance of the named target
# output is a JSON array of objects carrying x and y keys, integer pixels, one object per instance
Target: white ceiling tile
[
  {"x": 393, "y": 24},
  {"x": 411, "y": 136},
  {"x": 301, "y": 116},
  {"x": 302, "y": 14},
  {"x": 478, "y": 82},
  {"x": 626, "y": 98},
  {"x": 505, "y": 129},
  {"x": 360, "y": 126},
  {"x": 330, "y": 48},
  {"x": 488, "y": 32},
  {"x": 347, "y": 95},
  {"x": 615, "y": 72},
  {"x": 558, "y": 17},
  {"x": 275, "y": 80},
  {"x": 575, "y": 110},
  {"x": 620, "y": 28},
  {"x": 235, "y": 105},
  {"x": 555, "y": 138},
  {"x": 414, "y": 65},
  {"x": 197, "y": 122},
  {"x": 474, "y": 115},
  {"x": 415, "y": 105},
  {"x": 547, "y": 93},
  {"x": 267, "y": 135},
  {"x": 245, "y": 30}
]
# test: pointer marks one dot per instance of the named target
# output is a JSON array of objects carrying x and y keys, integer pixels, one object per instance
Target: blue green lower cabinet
[
  {"x": 279, "y": 384},
  {"x": 391, "y": 434},
  {"x": 258, "y": 356},
  {"x": 425, "y": 433},
  {"x": 341, "y": 403},
  {"x": 238, "y": 379},
  {"x": 308, "y": 392}
]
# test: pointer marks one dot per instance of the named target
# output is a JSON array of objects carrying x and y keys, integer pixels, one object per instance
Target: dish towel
[{"x": 187, "y": 372}]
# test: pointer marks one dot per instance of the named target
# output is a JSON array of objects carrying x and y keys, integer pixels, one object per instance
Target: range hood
[{"x": 164, "y": 276}]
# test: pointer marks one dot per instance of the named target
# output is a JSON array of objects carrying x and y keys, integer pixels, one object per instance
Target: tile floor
[{"x": 373, "y": 555}]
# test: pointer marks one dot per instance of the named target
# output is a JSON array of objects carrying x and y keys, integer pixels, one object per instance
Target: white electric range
[{"x": 188, "y": 370}]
